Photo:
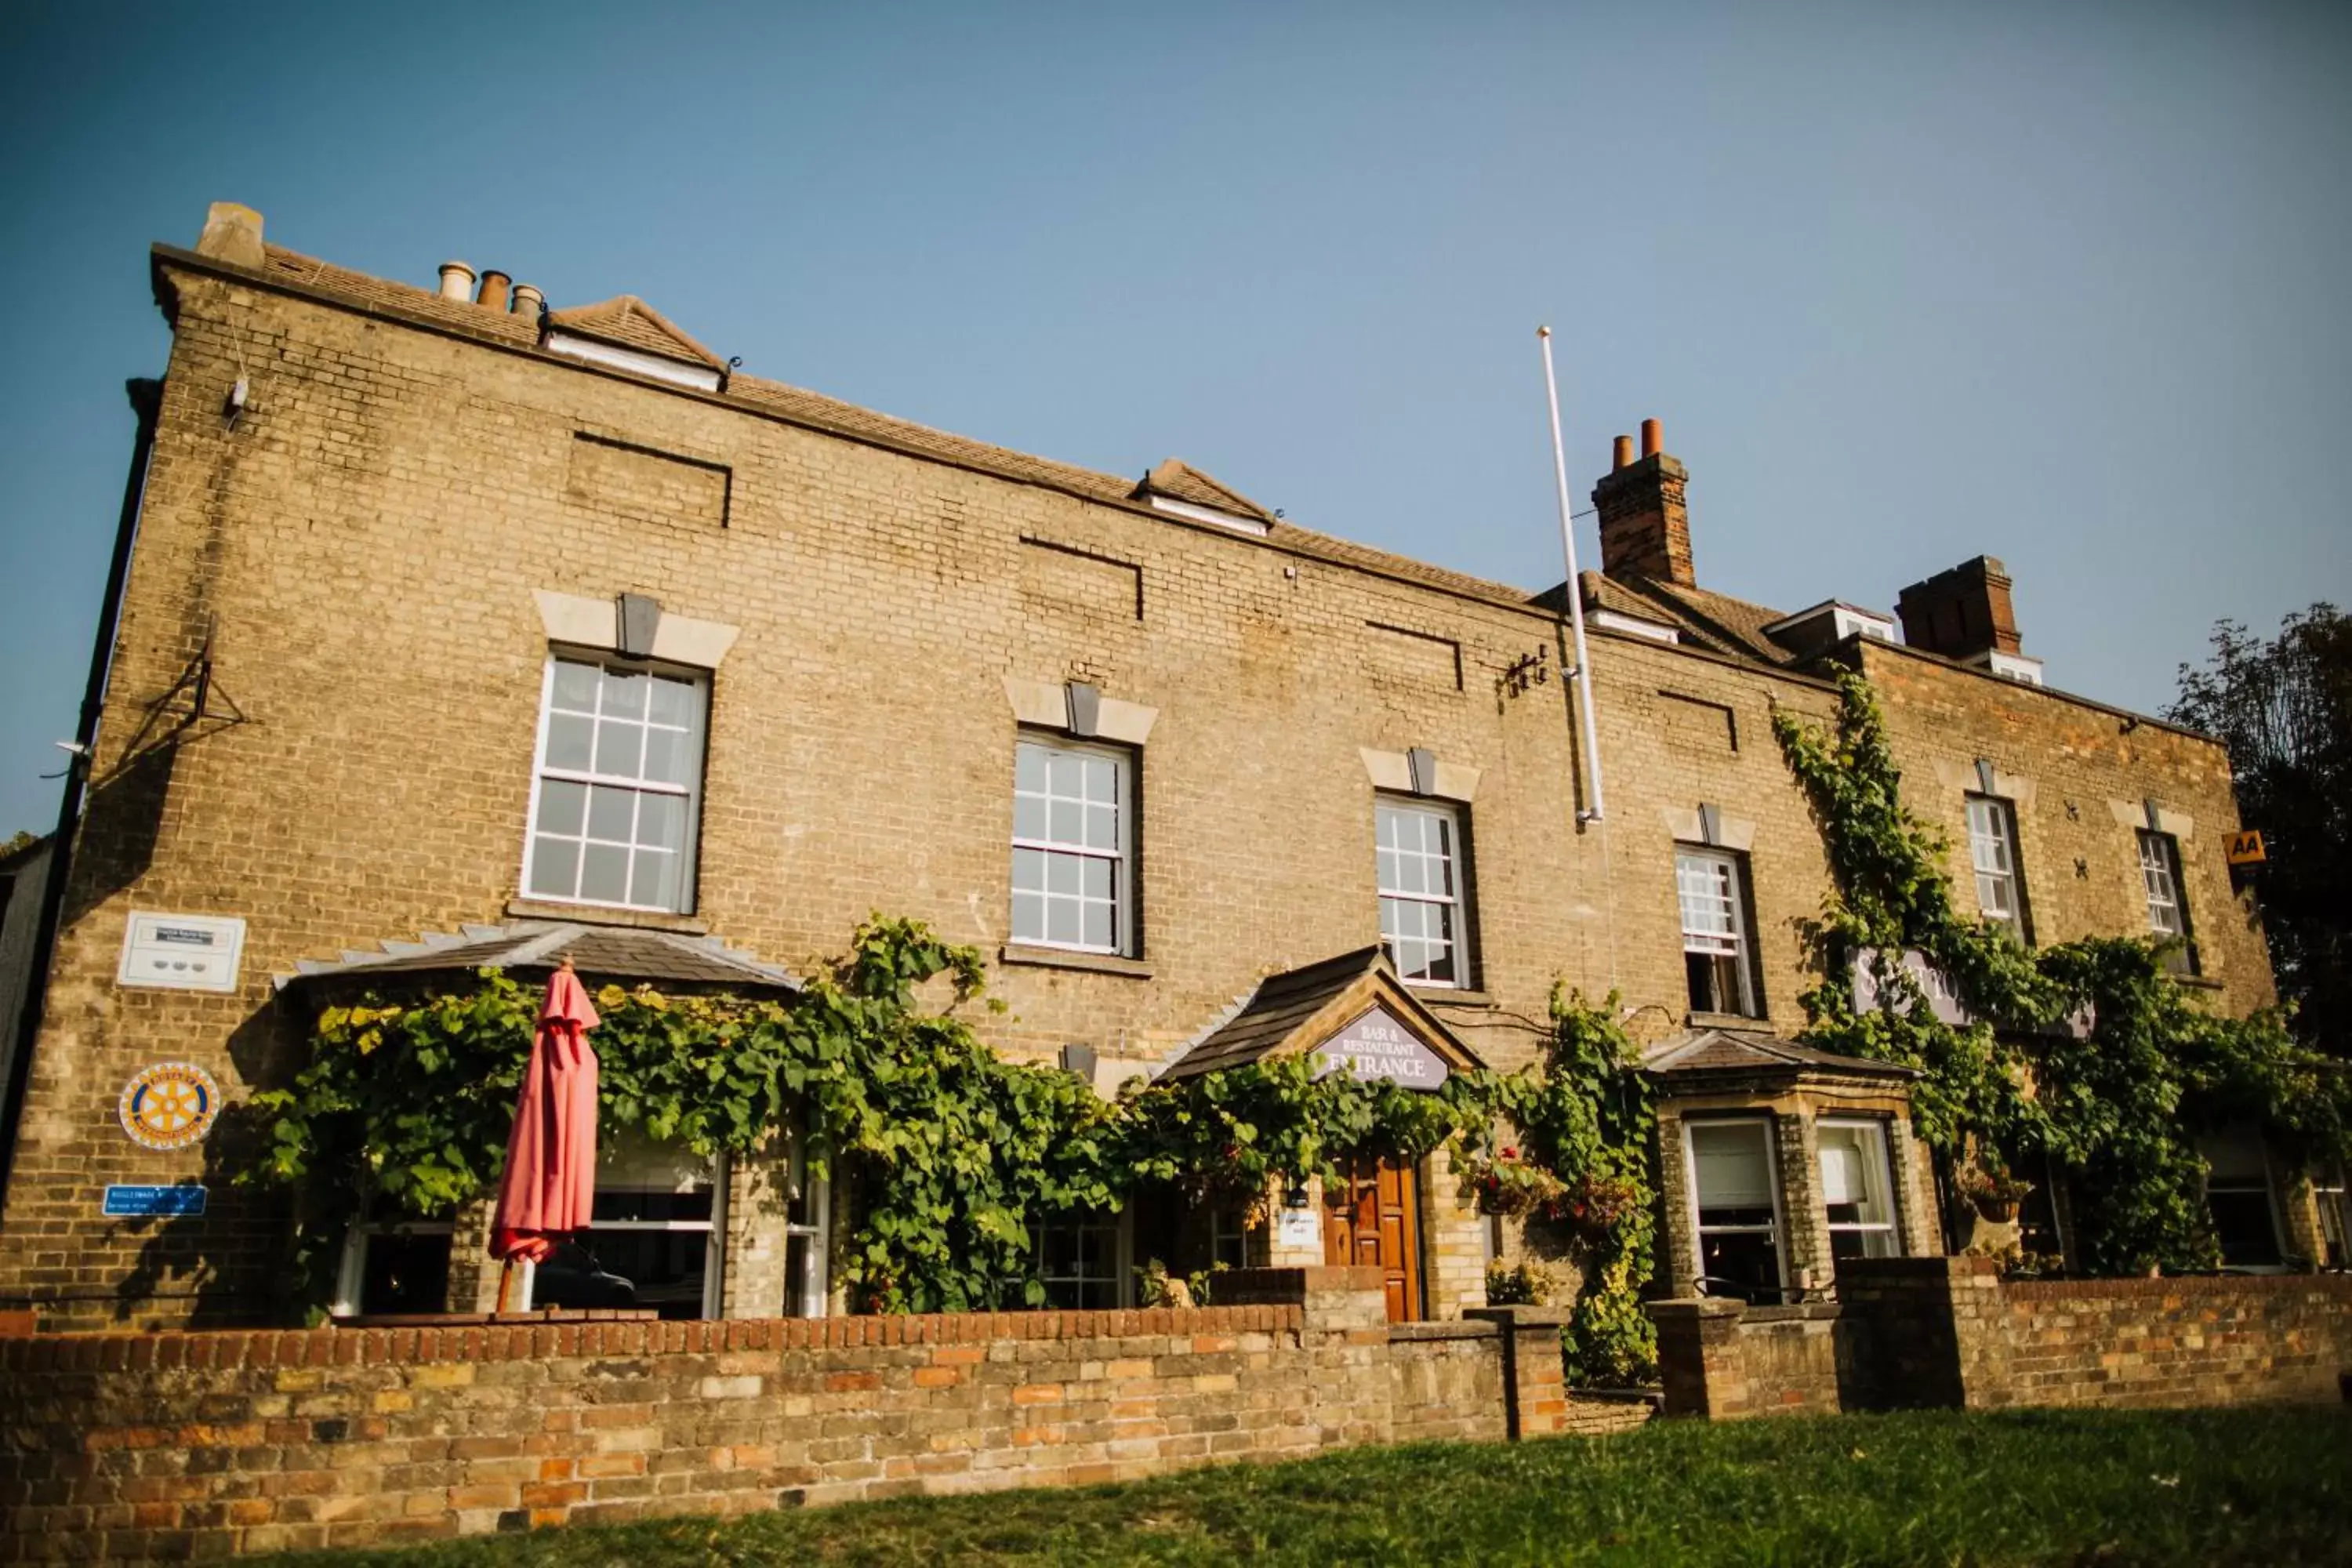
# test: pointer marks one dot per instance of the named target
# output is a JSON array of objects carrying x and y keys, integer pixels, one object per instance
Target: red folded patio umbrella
[{"x": 549, "y": 1190}]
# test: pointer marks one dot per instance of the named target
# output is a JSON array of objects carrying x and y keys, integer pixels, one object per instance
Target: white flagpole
[{"x": 1575, "y": 592}]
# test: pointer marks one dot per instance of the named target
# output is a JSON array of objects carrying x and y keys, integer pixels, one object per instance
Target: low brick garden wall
[
  {"x": 165, "y": 1445},
  {"x": 1948, "y": 1331}
]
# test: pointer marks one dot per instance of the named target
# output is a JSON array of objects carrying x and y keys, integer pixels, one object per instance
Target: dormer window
[
  {"x": 1182, "y": 490},
  {"x": 627, "y": 334}
]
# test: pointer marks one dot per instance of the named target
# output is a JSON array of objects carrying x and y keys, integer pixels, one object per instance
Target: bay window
[
  {"x": 1736, "y": 1193},
  {"x": 1857, "y": 1189}
]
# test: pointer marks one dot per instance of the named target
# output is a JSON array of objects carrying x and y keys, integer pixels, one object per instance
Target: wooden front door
[{"x": 1372, "y": 1219}]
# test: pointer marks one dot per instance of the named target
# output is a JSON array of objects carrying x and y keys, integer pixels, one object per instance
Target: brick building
[{"x": 458, "y": 628}]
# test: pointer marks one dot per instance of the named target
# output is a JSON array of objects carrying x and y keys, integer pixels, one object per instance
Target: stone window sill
[
  {"x": 2202, "y": 982},
  {"x": 1443, "y": 996},
  {"x": 1698, "y": 1020},
  {"x": 596, "y": 915},
  {"x": 1059, "y": 958}
]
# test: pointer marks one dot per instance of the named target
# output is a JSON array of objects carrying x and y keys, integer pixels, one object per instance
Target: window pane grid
[
  {"x": 1069, "y": 849},
  {"x": 620, "y": 750},
  {"x": 1420, "y": 880},
  {"x": 1993, "y": 854},
  {"x": 2163, "y": 889},
  {"x": 1707, "y": 889}
]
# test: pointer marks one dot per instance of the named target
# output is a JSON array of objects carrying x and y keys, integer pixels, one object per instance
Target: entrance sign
[
  {"x": 181, "y": 953},
  {"x": 2246, "y": 848},
  {"x": 1298, "y": 1227},
  {"x": 144, "y": 1202},
  {"x": 1377, "y": 1047},
  {"x": 169, "y": 1105}
]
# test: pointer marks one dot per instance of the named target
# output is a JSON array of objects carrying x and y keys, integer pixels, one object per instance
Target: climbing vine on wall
[
  {"x": 1591, "y": 1120},
  {"x": 955, "y": 1154},
  {"x": 2115, "y": 1106}
]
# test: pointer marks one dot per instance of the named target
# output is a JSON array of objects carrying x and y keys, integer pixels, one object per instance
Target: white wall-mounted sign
[
  {"x": 1298, "y": 1227},
  {"x": 182, "y": 952},
  {"x": 1375, "y": 1046}
]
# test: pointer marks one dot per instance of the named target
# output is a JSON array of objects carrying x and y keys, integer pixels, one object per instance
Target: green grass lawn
[{"x": 2267, "y": 1487}]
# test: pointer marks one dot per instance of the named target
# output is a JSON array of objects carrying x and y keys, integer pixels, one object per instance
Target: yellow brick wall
[{"x": 363, "y": 550}]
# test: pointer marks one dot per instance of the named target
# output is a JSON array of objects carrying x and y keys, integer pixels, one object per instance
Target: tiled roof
[
  {"x": 1277, "y": 1015},
  {"x": 847, "y": 418},
  {"x": 622, "y": 953},
  {"x": 1748, "y": 1050},
  {"x": 1179, "y": 480},
  {"x": 631, "y": 322}
]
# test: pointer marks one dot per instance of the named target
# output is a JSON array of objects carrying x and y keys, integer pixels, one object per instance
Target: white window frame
[
  {"x": 1992, "y": 834},
  {"x": 2327, "y": 1193},
  {"x": 1711, "y": 942},
  {"x": 350, "y": 1268},
  {"x": 1456, "y": 862},
  {"x": 809, "y": 1295},
  {"x": 690, "y": 792},
  {"x": 1878, "y": 1160},
  {"x": 2161, "y": 881},
  {"x": 1121, "y": 858},
  {"x": 1700, "y": 1231},
  {"x": 1122, "y": 1253},
  {"x": 714, "y": 1229},
  {"x": 2241, "y": 1184}
]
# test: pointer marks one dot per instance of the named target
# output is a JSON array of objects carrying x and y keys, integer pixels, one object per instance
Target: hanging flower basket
[
  {"x": 1994, "y": 1194},
  {"x": 1507, "y": 1184},
  {"x": 1593, "y": 1205}
]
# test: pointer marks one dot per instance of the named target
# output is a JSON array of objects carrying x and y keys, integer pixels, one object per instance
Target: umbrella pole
[{"x": 506, "y": 1280}]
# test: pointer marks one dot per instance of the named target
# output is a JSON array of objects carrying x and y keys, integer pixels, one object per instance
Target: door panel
[{"x": 1373, "y": 1222}]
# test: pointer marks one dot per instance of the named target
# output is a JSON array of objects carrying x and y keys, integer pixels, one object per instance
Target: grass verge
[{"x": 2113, "y": 1487}]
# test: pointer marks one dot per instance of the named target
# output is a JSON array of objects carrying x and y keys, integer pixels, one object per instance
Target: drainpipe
[{"x": 146, "y": 402}]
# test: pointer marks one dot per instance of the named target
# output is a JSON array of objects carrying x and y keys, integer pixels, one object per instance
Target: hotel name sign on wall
[{"x": 1377, "y": 1047}]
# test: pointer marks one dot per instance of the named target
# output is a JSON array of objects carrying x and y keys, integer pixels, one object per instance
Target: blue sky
[{"x": 2065, "y": 285}]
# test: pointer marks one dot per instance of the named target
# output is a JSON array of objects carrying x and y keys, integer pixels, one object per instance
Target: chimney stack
[
  {"x": 493, "y": 289},
  {"x": 232, "y": 234},
  {"x": 1963, "y": 614},
  {"x": 1644, "y": 517},
  {"x": 458, "y": 283}
]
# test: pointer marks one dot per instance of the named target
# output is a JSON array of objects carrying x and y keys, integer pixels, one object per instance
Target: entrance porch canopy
[
  {"x": 1351, "y": 1009},
  {"x": 625, "y": 955}
]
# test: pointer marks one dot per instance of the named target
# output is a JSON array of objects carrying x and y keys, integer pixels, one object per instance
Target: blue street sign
[{"x": 142, "y": 1201}]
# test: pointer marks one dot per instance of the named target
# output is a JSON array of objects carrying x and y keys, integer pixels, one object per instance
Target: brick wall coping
[
  {"x": 2178, "y": 1285},
  {"x": 1463, "y": 1330},
  {"x": 494, "y": 1342}
]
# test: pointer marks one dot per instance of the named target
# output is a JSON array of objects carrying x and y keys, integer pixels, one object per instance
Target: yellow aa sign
[{"x": 2246, "y": 848}]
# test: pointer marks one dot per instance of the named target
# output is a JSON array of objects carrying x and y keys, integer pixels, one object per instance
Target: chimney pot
[
  {"x": 1644, "y": 515},
  {"x": 456, "y": 281},
  {"x": 493, "y": 289},
  {"x": 1652, "y": 438},
  {"x": 528, "y": 299},
  {"x": 232, "y": 234}
]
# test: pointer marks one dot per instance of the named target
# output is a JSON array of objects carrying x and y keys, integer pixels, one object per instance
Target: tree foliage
[
  {"x": 2090, "y": 1052},
  {"x": 2284, "y": 708}
]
